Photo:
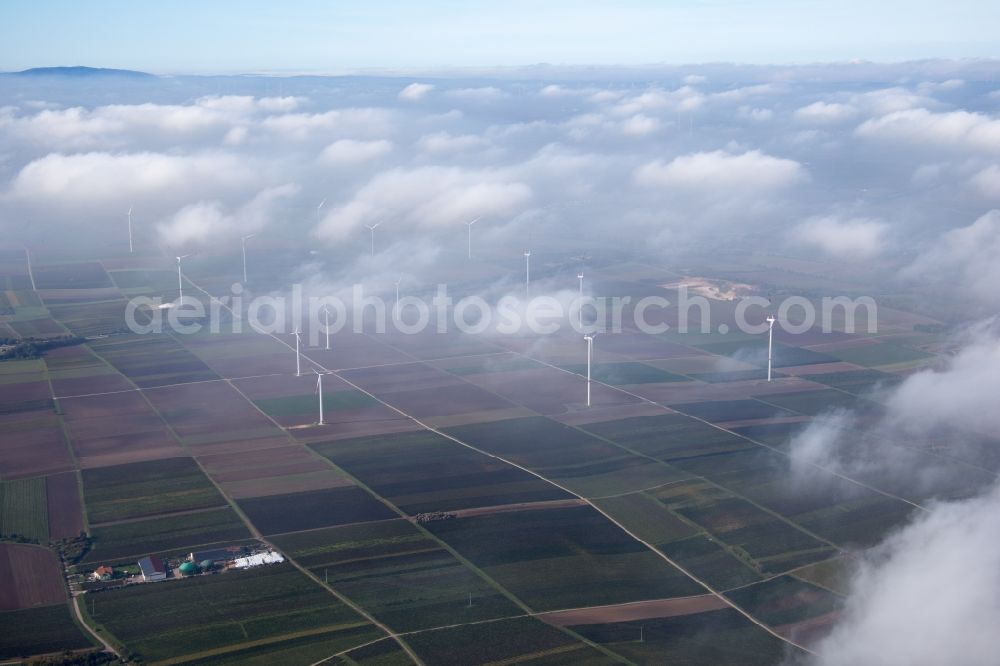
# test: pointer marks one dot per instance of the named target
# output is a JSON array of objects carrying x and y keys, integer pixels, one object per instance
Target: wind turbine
[
  {"x": 395, "y": 309},
  {"x": 527, "y": 273},
  {"x": 770, "y": 343},
  {"x": 319, "y": 390},
  {"x": 326, "y": 324},
  {"x": 590, "y": 353},
  {"x": 130, "y": 248},
  {"x": 579, "y": 276},
  {"x": 298, "y": 357},
  {"x": 469, "y": 227},
  {"x": 243, "y": 242},
  {"x": 319, "y": 207},
  {"x": 180, "y": 278},
  {"x": 371, "y": 228}
]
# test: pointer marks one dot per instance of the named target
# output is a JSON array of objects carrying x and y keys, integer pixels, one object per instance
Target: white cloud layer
[
  {"x": 858, "y": 238},
  {"x": 721, "y": 171}
]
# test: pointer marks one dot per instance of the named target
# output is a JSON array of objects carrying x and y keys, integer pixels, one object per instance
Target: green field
[
  {"x": 382, "y": 653},
  {"x": 669, "y": 437},
  {"x": 516, "y": 641},
  {"x": 542, "y": 556},
  {"x": 834, "y": 574},
  {"x": 90, "y": 319},
  {"x": 152, "y": 360},
  {"x": 722, "y": 637},
  {"x": 755, "y": 352},
  {"x": 575, "y": 459},
  {"x": 878, "y": 354},
  {"x": 398, "y": 574},
  {"x": 423, "y": 471},
  {"x": 490, "y": 365},
  {"x": 812, "y": 403},
  {"x": 858, "y": 382},
  {"x": 24, "y": 509},
  {"x": 277, "y": 514},
  {"x": 631, "y": 372},
  {"x": 38, "y": 631},
  {"x": 261, "y": 613},
  {"x": 165, "y": 534},
  {"x": 293, "y": 405},
  {"x": 147, "y": 488},
  {"x": 785, "y": 600}
]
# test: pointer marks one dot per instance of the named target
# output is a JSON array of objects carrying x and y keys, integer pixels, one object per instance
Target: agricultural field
[
  {"x": 754, "y": 351},
  {"x": 212, "y": 416},
  {"x": 716, "y": 637},
  {"x": 382, "y": 653},
  {"x": 30, "y": 576},
  {"x": 575, "y": 459},
  {"x": 260, "y": 613},
  {"x": 64, "y": 506},
  {"x": 24, "y": 509},
  {"x": 91, "y": 319},
  {"x": 622, "y": 374},
  {"x": 133, "y": 539},
  {"x": 151, "y": 360},
  {"x": 42, "y": 630},
  {"x": 426, "y": 392},
  {"x": 115, "y": 429},
  {"x": 142, "y": 489},
  {"x": 78, "y": 371},
  {"x": 33, "y": 441},
  {"x": 285, "y": 469},
  {"x": 515, "y": 641},
  {"x": 41, "y": 508},
  {"x": 542, "y": 555},
  {"x": 135, "y": 282},
  {"x": 877, "y": 354},
  {"x": 858, "y": 382},
  {"x": 81, "y": 275},
  {"x": 720, "y": 411},
  {"x": 277, "y": 514},
  {"x": 547, "y": 390},
  {"x": 423, "y": 471},
  {"x": 397, "y": 573},
  {"x": 792, "y": 607}
]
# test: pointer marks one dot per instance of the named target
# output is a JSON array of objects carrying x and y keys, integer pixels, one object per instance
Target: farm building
[
  {"x": 219, "y": 555},
  {"x": 103, "y": 572},
  {"x": 152, "y": 569}
]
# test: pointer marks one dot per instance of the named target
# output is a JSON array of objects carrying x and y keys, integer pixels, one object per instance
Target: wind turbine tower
[
  {"x": 371, "y": 228},
  {"x": 468, "y": 226},
  {"x": 243, "y": 242},
  {"x": 527, "y": 274},
  {"x": 590, "y": 353},
  {"x": 770, "y": 344},
  {"x": 319, "y": 390},
  {"x": 131, "y": 249},
  {"x": 579, "y": 276},
  {"x": 326, "y": 324},
  {"x": 395, "y": 307},
  {"x": 298, "y": 356},
  {"x": 180, "y": 277}
]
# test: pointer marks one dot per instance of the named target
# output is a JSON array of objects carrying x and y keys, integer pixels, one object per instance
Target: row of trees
[{"x": 24, "y": 348}]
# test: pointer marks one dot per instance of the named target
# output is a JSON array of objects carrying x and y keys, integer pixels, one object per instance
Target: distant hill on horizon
[{"x": 80, "y": 71}]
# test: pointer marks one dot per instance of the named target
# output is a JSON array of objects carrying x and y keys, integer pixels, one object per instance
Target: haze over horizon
[{"x": 316, "y": 36}]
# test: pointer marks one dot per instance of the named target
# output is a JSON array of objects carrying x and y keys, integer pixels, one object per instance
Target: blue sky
[{"x": 311, "y": 35}]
